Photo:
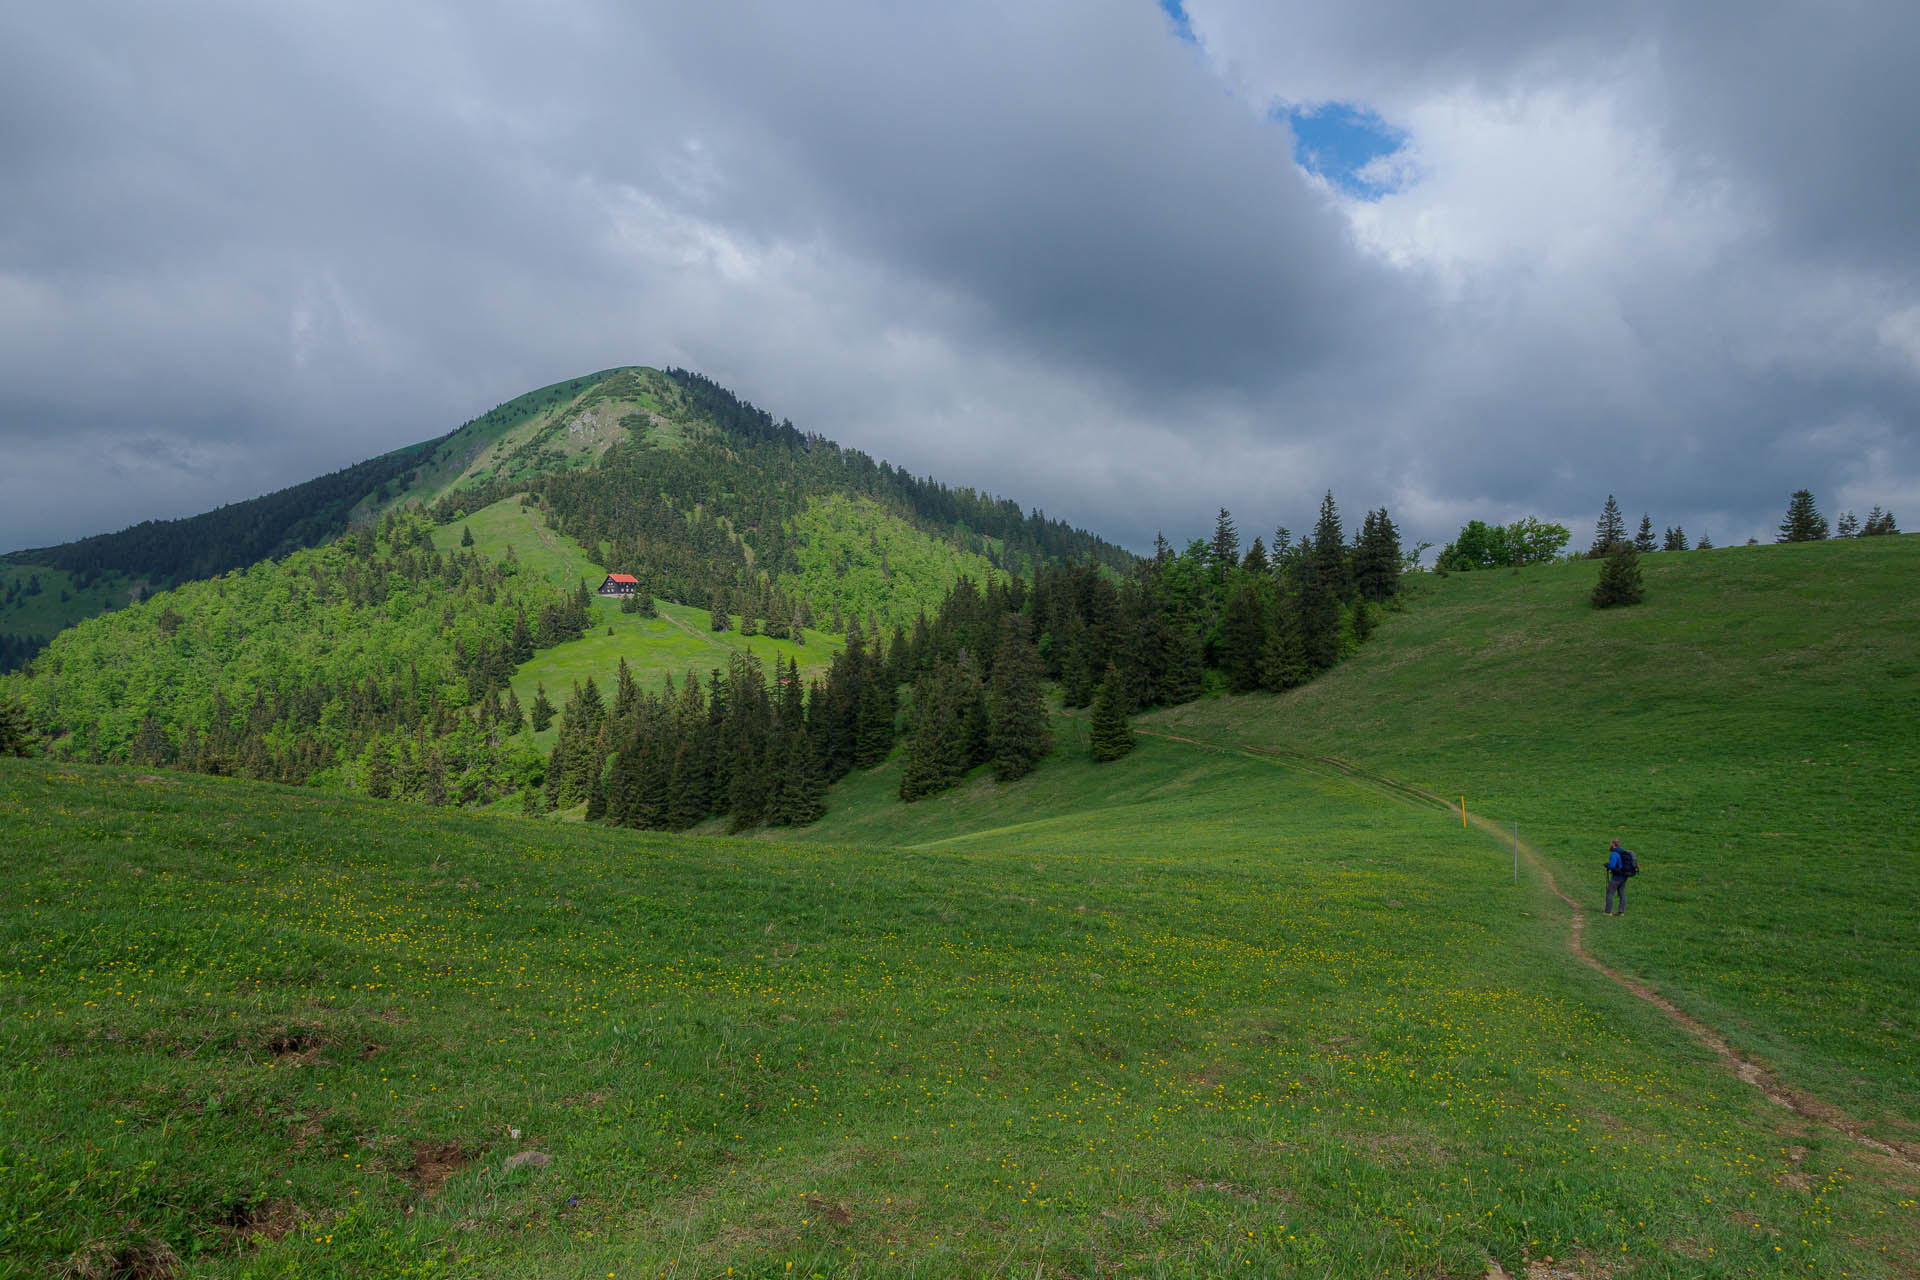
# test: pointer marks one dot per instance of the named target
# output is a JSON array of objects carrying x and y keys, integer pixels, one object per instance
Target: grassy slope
[
  {"x": 1231, "y": 1017},
  {"x": 45, "y": 614},
  {"x": 857, "y": 558},
  {"x": 679, "y": 640},
  {"x": 567, "y": 424},
  {"x": 1749, "y": 730}
]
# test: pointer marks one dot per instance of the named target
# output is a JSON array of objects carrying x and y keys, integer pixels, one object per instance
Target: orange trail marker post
[{"x": 1463, "y": 811}]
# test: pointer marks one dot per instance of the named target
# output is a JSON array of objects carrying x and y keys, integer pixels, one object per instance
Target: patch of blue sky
[
  {"x": 1176, "y": 11},
  {"x": 1349, "y": 146}
]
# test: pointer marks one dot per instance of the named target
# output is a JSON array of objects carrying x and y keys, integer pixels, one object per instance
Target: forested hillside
[
  {"x": 664, "y": 472},
  {"x": 716, "y": 505},
  {"x": 79, "y": 579},
  {"x": 374, "y": 663}
]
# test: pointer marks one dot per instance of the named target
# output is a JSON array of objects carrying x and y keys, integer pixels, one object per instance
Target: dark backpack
[{"x": 1629, "y": 865}]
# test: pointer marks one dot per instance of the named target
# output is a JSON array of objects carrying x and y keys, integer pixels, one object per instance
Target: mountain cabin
[{"x": 619, "y": 584}]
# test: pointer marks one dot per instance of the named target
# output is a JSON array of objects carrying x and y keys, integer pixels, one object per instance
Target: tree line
[{"x": 966, "y": 686}]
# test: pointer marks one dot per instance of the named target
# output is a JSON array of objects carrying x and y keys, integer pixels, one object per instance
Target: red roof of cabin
[{"x": 622, "y": 577}]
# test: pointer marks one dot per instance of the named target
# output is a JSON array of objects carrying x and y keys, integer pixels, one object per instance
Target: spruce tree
[
  {"x": 1847, "y": 526},
  {"x": 1676, "y": 539},
  {"x": 873, "y": 736},
  {"x": 1362, "y": 620},
  {"x": 542, "y": 709},
  {"x": 1186, "y": 669},
  {"x": 1803, "y": 523},
  {"x": 938, "y": 746},
  {"x": 1879, "y": 524},
  {"x": 1611, "y": 529},
  {"x": 1283, "y": 665},
  {"x": 596, "y": 797},
  {"x": 513, "y": 719},
  {"x": 803, "y": 793},
  {"x": 686, "y": 787},
  {"x": 1706, "y": 543},
  {"x": 522, "y": 639},
  {"x": 1643, "y": 541},
  {"x": 466, "y": 536},
  {"x": 1245, "y": 637},
  {"x": 1016, "y": 707},
  {"x": 651, "y": 803},
  {"x": 1330, "y": 548},
  {"x": 1108, "y": 735},
  {"x": 1620, "y": 582},
  {"x": 626, "y": 691},
  {"x": 1226, "y": 545},
  {"x": 1318, "y": 613},
  {"x": 1376, "y": 566},
  {"x": 1076, "y": 663}
]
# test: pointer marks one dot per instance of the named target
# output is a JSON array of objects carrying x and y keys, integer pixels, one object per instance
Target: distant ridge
[{"x": 566, "y": 434}]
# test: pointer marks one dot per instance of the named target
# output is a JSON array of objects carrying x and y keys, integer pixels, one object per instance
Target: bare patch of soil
[
  {"x": 265, "y": 1222},
  {"x": 1582, "y": 1266},
  {"x": 294, "y": 1046},
  {"x": 433, "y": 1164},
  {"x": 834, "y": 1211},
  {"x": 145, "y": 1260}
]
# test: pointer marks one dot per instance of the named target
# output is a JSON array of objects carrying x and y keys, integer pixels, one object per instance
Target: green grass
[
  {"x": 1228, "y": 1017},
  {"x": 1197, "y": 1012},
  {"x": 678, "y": 641},
  {"x": 45, "y": 613},
  {"x": 508, "y": 528},
  {"x": 1750, "y": 730},
  {"x": 855, "y": 557}
]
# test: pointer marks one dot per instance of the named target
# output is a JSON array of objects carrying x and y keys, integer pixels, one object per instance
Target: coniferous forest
[
  {"x": 965, "y": 687},
  {"x": 380, "y": 665}
]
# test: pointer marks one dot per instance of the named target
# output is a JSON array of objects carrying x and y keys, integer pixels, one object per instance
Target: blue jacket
[{"x": 1615, "y": 863}]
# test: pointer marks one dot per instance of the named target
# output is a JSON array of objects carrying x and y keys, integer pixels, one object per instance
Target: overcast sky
[{"x": 1126, "y": 262}]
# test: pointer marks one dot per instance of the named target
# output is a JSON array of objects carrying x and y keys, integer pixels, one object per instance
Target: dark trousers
[{"x": 1617, "y": 885}]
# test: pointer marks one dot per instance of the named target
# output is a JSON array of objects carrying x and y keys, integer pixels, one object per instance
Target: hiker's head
[{"x": 1616, "y": 844}]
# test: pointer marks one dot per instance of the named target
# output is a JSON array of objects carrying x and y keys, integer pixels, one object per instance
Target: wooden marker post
[
  {"x": 1516, "y": 855},
  {"x": 1463, "y": 812}
]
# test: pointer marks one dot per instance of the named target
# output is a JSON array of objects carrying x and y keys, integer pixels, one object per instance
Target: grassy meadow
[
  {"x": 1198, "y": 1012},
  {"x": 1750, "y": 730},
  {"x": 61, "y": 601},
  {"x": 1228, "y": 1017},
  {"x": 676, "y": 641}
]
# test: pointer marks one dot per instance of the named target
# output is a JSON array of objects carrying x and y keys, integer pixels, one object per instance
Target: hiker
[{"x": 1620, "y": 864}]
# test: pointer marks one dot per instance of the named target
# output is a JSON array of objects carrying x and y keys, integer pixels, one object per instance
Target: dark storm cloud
[{"x": 1051, "y": 250}]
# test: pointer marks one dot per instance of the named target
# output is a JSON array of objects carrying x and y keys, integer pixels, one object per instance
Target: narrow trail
[{"x": 1775, "y": 1090}]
